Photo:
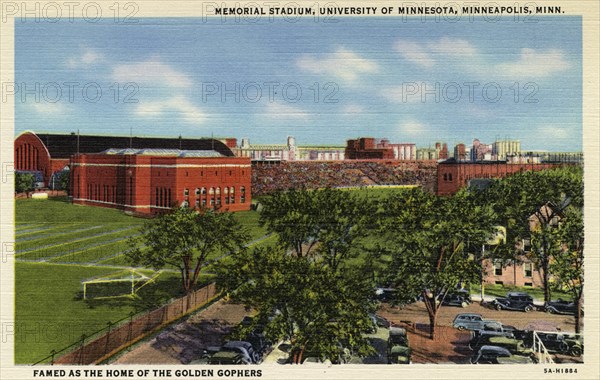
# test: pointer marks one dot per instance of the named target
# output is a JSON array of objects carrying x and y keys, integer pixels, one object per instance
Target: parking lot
[
  {"x": 185, "y": 341},
  {"x": 451, "y": 345}
]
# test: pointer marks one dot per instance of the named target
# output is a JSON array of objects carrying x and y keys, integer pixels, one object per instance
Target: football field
[{"x": 58, "y": 245}]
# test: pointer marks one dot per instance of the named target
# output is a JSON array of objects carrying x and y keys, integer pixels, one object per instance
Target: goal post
[{"x": 124, "y": 283}]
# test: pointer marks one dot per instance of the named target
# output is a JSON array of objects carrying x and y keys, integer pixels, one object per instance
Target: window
[
  {"x": 450, "y": 177},
  {"x": 203, "y": 202},
  {"x": 197, "y": 192},
  {"x": 499, "y": 283},
  {"x": 197, "y": 203},
  {"x": 186, "y": 192},
  {"x": 203, "y": 191},
  {"x": 498, "y": 269},
  {"x": 445, "y": 177},
  {"x": 528, "y": 284},
  {"x": 528, "y": 269}
]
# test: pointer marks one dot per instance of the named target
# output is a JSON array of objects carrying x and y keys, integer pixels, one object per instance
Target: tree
[
  {"x": 543, "y": 195},
  {"x": 321, "y": 301},
  {"x": 186, "y": 239},
  {"x": 302, "y": 301},
  {"x": 290, "y": 214},
  {"x": 24, "y": 182},
  {"x": 427, "y": 238},
  {"x": 326, "y": 222},
  {"x": 567, "y": 260}
]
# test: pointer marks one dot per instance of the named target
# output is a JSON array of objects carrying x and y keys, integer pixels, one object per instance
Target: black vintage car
[
  {"x": 562, "y": 307},
  {"x": 499, "y": 355},
  {"x": 514, "y": 301},
  {"x": 564, "y": 343},
  {"x": 455, "y": 300}
]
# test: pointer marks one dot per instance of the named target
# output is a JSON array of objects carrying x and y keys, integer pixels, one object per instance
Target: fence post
[
  {"x": 81, "y": 349},
  {"x": 109, "y": 323},
  {"x": 52, "y": 353},
  {"x": 129, "y": 331}
]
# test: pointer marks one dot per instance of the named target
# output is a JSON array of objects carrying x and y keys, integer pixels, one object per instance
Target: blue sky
[{"x": 376, "y": 77}]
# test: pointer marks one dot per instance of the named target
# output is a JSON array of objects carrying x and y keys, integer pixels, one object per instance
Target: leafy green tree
[
  {"x": 428, "y": 238},
  {"x": 302, "y": 301},
  {"x": 64, "y": 181},
  {"x": 186, "y": 239},
  {"x": 24, "y": 182},
  {"x": 290, "y": 214},
  {"x": 328, "y": 223},
  {"x": 566, "y": 265},
  {"x": 543, "y": 195}
]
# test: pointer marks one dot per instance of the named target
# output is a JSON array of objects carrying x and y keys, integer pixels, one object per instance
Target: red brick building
[
  {"x": 141, "y": 174},
  {"x": 150, "y": 181},
  {"x": 453, "y": 175},
  {"x": 50, "y": 152},
  {"x": 366, "y": 148}
]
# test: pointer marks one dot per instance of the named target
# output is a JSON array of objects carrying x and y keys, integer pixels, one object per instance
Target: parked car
[
  {"x": 455, "y": 300},
  {"x": 514, "y": 301},
  {"x": 515, "y": 346},
  {"x": 311, "y": 354},
  {"x": 385, "y": 294},
  {"x": 472, "y": 321},
  {"x": 564, "y": 343},
  {"x": 244, "y": 348},
  {"x": 499, "y": 355},
  {"x": 227, "y": 358},
  {"x": 378, "y": 321},
  {"x": 562, "y": 307},
  {"x": 398, "y": 349}
]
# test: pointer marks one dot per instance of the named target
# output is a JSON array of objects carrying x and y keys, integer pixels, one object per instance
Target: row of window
[
  {"x": 158, "y": 173},
  {"x": 527, "y": 269},
  {"x": 447, "y": 177},
  {"x": 213, "y": 191},
  {"x": 105, "y": 193}
]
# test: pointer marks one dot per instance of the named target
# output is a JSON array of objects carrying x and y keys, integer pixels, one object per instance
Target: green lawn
[
  {"x": 59, "y": 245},
  {"x": 500, "y": 291},
  {"x": 51, "y": 313}
]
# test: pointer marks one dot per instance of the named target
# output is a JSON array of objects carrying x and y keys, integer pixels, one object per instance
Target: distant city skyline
[{"x": 323, "y": 83}]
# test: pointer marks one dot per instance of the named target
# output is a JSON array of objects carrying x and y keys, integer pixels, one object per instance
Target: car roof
[
  {"x": 397, "y": 331},
  {"x": 468, "y": 315},
  {"x": 500, "y": 350}
]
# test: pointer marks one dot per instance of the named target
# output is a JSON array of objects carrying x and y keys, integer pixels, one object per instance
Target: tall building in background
[{"x": 502, "y": 149}]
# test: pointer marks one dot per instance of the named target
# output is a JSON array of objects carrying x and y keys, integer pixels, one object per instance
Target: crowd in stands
[{"x": 313, "y": 175}]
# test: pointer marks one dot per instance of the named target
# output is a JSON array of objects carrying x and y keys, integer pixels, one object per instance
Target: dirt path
[{"x": 185, "y": 341}]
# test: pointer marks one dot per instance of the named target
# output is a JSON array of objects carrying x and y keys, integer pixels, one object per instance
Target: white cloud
[
  {"x": 431, "y": 53},
  {"x": 343, "y": 64},
  {"x": 48, "y": 108},
  {"x": 554, "y": 131},
  {"x": 87, "y": 58},
  {"x": 151, "y": 72},
  {"x": 413, "y": 128},
  {"x": 285, "y": 111},
  {"x": 353, "y": 109},
  {"x": 415, "y": 53},
  {"x": 177, "y": 106},
  {"x": 452, "y": 47},
  {"x": 532, "y": 63}
]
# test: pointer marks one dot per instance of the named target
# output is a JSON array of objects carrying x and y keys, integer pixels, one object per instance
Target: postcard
[{"x": 287, "y": 190}]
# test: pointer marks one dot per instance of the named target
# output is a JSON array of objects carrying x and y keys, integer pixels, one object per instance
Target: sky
[{"x": 323, "y": 83}]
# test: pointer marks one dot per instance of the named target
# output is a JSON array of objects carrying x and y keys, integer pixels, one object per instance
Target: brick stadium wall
[
  {"x": 348, "y": 173},
  {"x": 117, "y": 338}
]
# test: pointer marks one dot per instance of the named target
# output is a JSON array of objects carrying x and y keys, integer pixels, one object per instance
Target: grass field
[{"x": 58, "y": 245}]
